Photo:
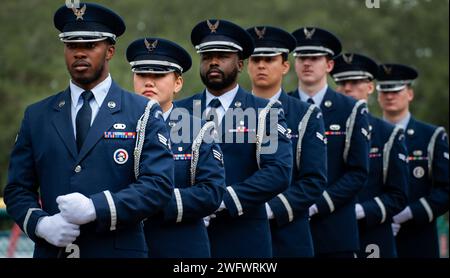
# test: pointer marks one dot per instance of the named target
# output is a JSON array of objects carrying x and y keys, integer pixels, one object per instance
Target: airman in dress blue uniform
[
  {"x": 288, "y": 211},
  {"x": 427, "y": 147},
  {"x": 385, "y": 193},
  {"x": 74, "y": 179},
  {"x": 178, "y": 231},
  {"x": 333, "y": 222},
  {"x": 253, "y": 137}
]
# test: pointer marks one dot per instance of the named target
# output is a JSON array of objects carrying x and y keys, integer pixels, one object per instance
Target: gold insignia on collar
[
  {"x": 387, "y": 70},
  {"x": 150, "y": 46},
  {"x": 79, "y": 12},
  {"x": 348, "y": 58},
  {"x": 260, "y": 33},
  {"x": 309, "y": 34},
  {"x": 213, "y": 27}
]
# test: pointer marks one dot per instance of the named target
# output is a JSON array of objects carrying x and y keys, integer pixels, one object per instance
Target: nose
[
  {"x": 260, "y": 64},
  {"x": 347, "y": 87},
  {"x": 149, "y": 82},
  {"x": 306, "y": 61},
  {"x": 79, "y": 53}
]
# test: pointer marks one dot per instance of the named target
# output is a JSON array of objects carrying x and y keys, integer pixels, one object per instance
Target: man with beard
[
  {"x": 255, "y": 170},
  {"x": 76, "y": 183},
  {"x": 427, "y": 147},
  {"x": 333, "y": 222}
]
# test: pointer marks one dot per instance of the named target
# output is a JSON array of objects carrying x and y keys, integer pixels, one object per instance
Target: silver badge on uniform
[
  {"x": 417, "y": 153},
  {"x": 410, "y": 131},
  {"x": 238, "y": 104},
  {"x": 180, "y": 149},
  {"x": 418, "y": 172},
  {"x": 111, "y": 104},
  {"x": 119, "y": 126},
  {"x": 328, "y": 103},
  {"x": 335, "y": 127},
  {"x": 61, "y": 103},
  {"x": 120, "y": 156}
]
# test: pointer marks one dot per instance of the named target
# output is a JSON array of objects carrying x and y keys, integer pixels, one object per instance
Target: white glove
[
  {"x": 359, "y": 210},
  {"x": 269, "y": 212},
  {"x": 56, "y": 230},
  {"x": 76, "y": 208},
  {"x": 395, "y": 228},
  {"x": 221, "y": 207},
  {"x": 403, "y": 216},
  {"x": 313, "y": 210}
]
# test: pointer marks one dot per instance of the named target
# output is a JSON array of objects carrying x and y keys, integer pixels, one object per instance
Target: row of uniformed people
[
  {"x": 258, "y": 200},
  {"x": 369, "y": 189}
]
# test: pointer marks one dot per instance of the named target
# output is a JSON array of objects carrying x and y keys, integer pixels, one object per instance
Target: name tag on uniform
[
  {"x": 182, "y": 156},
  {"x": 119, "y": 135}
]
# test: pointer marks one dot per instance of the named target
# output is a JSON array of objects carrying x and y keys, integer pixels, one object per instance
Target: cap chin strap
[
  {"x": 352, "y": 75},
  {"x": 156, "y": 63},
  {"x": 96, "y": 36},
  {"x": 312, "y": 48},
  {"x": 393, "y": 85},
  {"x": 216, "y": 45}
]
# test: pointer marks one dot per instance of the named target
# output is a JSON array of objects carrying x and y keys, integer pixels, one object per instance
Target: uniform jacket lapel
[{"x": 62, "y": 121}]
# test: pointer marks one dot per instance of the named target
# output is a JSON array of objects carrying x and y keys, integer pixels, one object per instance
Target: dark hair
[{"x": 284, "y": 56}]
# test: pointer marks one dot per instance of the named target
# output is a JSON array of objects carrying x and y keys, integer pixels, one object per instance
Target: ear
[
  {"x": 178, "y": 84},
  {"x": 330, "y": 65},
  {"x": 240, "y": 65},
  {"x": 371, "y": 87},
  {"x": 286, "y": 67},
  {"x": 410, "y": 93},
  {"x": 111, "y": 49}
]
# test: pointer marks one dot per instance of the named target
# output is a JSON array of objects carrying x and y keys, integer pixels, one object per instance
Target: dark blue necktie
[
  {"x": 310, "y": 100},
  {"x": 83, "y": 119},
  {"x": 212, "y": 114}
]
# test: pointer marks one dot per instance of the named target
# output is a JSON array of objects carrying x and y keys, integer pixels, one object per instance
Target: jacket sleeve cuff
[
  {"x": 232, "y": 202},
  {"x": 30, "y": 222},
  {"x": 325, "y": 204},
  {"x": 173, "y": 212},
  {"x": 373, "y": 212},
  {"x": 105, "y": 210},
  {"x": 421, "y": 211},
  {"x": 280, "y": 212}
]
